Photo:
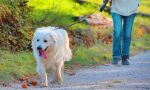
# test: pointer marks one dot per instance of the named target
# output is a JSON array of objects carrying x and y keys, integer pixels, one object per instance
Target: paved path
[{"x": 136, "y": 76}]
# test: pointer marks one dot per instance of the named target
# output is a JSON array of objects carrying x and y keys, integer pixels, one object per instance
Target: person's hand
[{"x": 103, "y": 6}]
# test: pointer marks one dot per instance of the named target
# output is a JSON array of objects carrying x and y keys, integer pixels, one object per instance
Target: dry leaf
[{"x": 24, "y": 85}]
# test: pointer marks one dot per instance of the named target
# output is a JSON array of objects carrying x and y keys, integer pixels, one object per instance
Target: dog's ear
[
  {"x": 53, "y": 36},
  {"x": 33, "y": 40},
  {"x": 34, "y": 37}
]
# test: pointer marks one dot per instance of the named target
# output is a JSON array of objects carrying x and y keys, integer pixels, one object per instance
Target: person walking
[{"x": 123, "y": 14}]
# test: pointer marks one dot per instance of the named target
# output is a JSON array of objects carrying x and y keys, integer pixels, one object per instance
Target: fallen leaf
[
  {"x": 24, "y": 85},
  {"x": 33, "y": 83}
]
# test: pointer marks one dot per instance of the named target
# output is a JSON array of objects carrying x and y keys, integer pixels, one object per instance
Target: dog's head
[{"x": 43, "y": 39}]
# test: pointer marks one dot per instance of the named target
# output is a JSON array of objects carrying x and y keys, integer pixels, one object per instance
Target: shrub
[{"x": 13, "y": 19}]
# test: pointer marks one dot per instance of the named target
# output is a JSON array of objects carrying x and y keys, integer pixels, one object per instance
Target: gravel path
[{"x": 136, "y": 76}]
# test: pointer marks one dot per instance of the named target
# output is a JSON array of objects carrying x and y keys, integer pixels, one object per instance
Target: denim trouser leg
[
  {"x": 117, "y": 21},
  {"x": 127, "y": 31},
  {"x": 122, "y": 35}
]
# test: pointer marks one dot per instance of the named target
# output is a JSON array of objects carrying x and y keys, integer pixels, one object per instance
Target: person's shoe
[{"x": 125, "y": 60}]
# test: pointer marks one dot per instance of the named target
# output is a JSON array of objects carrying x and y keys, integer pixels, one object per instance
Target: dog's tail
[
  {"x": 68, "y": 51},
  {"x": 68, "y": 55}
]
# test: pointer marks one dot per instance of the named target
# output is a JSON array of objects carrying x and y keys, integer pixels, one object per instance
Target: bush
[{"x": 13, "y": 20}]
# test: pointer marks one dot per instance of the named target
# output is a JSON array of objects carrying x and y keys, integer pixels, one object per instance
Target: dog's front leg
[
  {"x": 58, "y": 72},
  {"x": 42, "y": 73}
]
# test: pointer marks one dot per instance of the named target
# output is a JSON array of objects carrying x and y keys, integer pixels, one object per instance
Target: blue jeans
[{"x": 122, "y": 35}]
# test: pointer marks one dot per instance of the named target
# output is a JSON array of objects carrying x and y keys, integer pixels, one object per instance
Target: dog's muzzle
[{"x": 42, "y": 53}]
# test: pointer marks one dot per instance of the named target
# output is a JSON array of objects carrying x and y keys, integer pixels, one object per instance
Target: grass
[
  {"x": 16, "y": 65},
  {"x": 140, "y": 44},
  {"x": 92, "y": 56},
  {"x": 144, "y": 6},
  {"x": 60, "y": 14}
]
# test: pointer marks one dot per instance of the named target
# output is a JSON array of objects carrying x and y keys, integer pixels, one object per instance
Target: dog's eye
[
  {"x": 38, "y": 40},
  {"x": 45, "y": 41}
]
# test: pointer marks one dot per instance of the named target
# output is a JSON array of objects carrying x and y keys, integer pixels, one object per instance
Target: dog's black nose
[{"x": 39, "y": 48}]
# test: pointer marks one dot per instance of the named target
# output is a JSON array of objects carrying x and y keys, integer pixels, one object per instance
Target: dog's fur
[{"x": 53, "y": 52}]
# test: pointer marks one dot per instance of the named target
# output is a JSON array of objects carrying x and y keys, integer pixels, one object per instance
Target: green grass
[
  {"x": 16, "y": 65},
  {"x": 96, "y": 55},
  {"x": 140, "y": 44},
  {"x": 144, "y": 6},
  {"x": 60, "y": 13}
]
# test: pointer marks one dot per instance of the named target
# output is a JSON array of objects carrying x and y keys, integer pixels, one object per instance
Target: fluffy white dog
[{"x": 51, "y": 49}]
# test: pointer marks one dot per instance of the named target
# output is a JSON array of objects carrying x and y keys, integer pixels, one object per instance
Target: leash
[
  {"x": 84, "y": 17},
  {"x": 79, "y": 21}
]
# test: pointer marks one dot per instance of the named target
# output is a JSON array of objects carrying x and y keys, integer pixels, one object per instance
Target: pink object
[{"x": 42, "y": 54}]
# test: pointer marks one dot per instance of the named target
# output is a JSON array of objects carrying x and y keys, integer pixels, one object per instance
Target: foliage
[{"x": 13, "y": 17}]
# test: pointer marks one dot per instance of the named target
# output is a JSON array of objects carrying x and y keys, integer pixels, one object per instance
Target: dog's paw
[
  {"x": 60, "y": 82},
  {"x": 53, "y": 82},
  {"x": 44, "y": 85},
  {"x": 57, "y": 82}
]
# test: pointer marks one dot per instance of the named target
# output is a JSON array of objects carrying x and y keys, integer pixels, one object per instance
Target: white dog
[{"x": 51, "y": 49}]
